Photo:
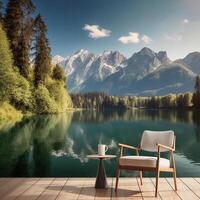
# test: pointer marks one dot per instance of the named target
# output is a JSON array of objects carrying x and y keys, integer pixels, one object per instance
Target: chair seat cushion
[{"x": 143, "y": 161}]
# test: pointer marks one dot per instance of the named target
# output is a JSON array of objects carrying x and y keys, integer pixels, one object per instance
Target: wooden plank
[
  {"x": 88, "y": 191},
  {"x": 197, "y": 179},
  {"x": 193, "y": 185},
  {"x": 8, "y": 186},
  {"x": 128, "y": 189},
  {"x": 147, "y": 189},
  {"x": 183, "y": 191},
  {"x": 4, "y": 180},
  {"x": 35, "y": 190},
  {"x": 20, "y": 188},
  {"x": 83, "y": 189},
  {"x": 52, "y": 191},
  {"x": 104, "y": 194},
  {"x": 165, "y": 190},
  {"x": 71, "y": 189}
]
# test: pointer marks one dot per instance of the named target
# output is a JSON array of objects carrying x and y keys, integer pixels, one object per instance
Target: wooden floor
[{"x": 83, "y": 188}]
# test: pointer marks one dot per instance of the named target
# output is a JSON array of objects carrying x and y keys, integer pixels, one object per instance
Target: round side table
[{"x": 101, "y": 180}]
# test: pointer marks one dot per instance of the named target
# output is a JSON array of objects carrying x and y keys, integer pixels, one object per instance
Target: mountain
[
  {"x": 57, "y": 59},
  {"x": 138, "y": 66},
  {"x": 168, "y": 78},
  {"x": 143, "y": 63},
  {"x": 76, "y": 67},
  {"x": 83, "y": 66},
  {"x": 145, "y": 73},
  {"x": 192, "y": 60}
]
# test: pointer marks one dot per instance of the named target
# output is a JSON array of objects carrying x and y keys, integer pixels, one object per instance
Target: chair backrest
[{"x": 150, "y": 139}]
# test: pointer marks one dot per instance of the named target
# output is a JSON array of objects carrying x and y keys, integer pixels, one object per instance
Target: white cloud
[
  {"x": 131, "y": 38},
  {"x": 95, "y": 31},
  {"x": 135, "y": 38},
  {"x": 146, "y": 39},
  {"x": 185, "y": 21},
  {"x": 175, "y": 38}
]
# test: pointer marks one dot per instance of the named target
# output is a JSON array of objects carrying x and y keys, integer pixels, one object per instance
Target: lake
[{"x": 57, "y": 145}]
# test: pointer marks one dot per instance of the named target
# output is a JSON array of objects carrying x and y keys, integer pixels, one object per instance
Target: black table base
[{"x": 101, "y": 180}]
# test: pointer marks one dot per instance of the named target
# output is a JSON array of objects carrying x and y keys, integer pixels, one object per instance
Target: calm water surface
[{"x": 57, "y": 145}]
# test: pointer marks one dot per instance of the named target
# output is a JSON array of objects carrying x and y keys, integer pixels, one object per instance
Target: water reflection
[
  {"x": 154, "y": 115},
  {"x": 25, "y": 148},
  {"x": 57, "y": 145}
]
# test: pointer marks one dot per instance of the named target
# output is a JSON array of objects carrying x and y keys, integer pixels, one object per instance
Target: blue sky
[{"x": 123, "y": 25}]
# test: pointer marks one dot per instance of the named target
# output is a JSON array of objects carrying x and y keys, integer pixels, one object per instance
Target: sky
[{"x": 122, "y": 25}]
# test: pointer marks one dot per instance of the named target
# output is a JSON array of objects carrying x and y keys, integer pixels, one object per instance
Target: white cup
[{"x": 102, "y": 148}]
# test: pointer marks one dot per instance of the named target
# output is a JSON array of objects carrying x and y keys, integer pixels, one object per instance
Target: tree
[
  {"x": 196, "y": 94},
  {"x": 1, "y": 12},
  {"x": 197, "y": 84},
  {"x": 5, "y": 67},
  {"x": 25, "y": 39},
  {"x": 13, "y": 25},
  {"x": 58, "y": 73},
  {"x": 179, "y": 100},
  {"x": 187, "y": 98},
  {"x": 19, "y": 27},
  {"x": 42, "y": 61}
]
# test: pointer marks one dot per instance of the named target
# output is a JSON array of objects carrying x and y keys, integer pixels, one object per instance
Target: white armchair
[{"x": 152, "y": 141}]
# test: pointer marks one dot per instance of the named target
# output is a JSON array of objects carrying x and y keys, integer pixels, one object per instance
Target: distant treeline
[{"x": 99, "y": 100}]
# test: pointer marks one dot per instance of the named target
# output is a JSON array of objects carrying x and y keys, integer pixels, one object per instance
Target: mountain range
[{"x": 145, "y": 73}]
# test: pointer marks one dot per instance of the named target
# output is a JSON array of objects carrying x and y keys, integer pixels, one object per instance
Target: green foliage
[
  {"x": 197, "y": 84},
  {"x": 196, "y": 94},
  {"x": 22, "y": 61},
  {"x": 8, "y": 112},
  {"x": 1, "y": 12},
  {"x": 49, "y": 95},
  {"x": 44, "y": 104},
  {"x": 42, "y": 64},
  {"x": 102, "y": 101},
  {"x": 58, "y": 73},
  {"x": 12, "y": 21},
  {"x": 13, "y": 87},
  {"x": 51, "y": 98},
  {"x": 59, "y": 94},
  {"x": 184, "y": 100},
  {"x": 21, "y": 96},
  {"x": 18, "y": 23},
  {"x": 7, "y": 75}
]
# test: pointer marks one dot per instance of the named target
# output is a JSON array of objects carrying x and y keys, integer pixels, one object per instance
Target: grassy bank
[{"x": 9, "y": 113}]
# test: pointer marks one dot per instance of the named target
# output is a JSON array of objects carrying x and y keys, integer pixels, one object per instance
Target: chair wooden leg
[
  {"x": 117, "y": 178},
  {"x": 157, "y": 181},
  {"x": 140, "y": 173},
  {"x": 174, "y": 176}
]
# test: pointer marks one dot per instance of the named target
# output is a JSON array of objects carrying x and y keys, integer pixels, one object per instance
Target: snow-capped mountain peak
[
  {"x": 141, "y": 74},
  {"x": 83, "y": 65},
  {"x": 81, "y": 52},
  {"x": 57, "y": 59}
]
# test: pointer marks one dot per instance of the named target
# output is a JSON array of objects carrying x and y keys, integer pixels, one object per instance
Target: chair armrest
[
  {"x": 166, "y": 147},
  {"x": 128, "y": 146}
]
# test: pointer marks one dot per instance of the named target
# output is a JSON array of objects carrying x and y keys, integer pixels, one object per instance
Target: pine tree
[
  {"x": 13, "y": 25},
  {"x": 23, "y": 56},
  {"x": 197, "y": 84},
  {"x": 58, "y": 73},
  {"x": 42, "y": 59},
  {"x": 6, "y": 75},
  {"x": 196, "y": 94},
  {"x": 1, "y": 12},
  {"x": 25, "y": 38},
  {"x": 19, "y": 25}
]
